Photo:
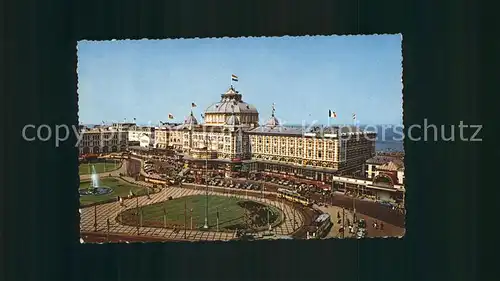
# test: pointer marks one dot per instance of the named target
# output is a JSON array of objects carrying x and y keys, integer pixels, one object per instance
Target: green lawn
[
  {"x": 231, "y": 213},
  {"x": 101, "y": 167},
  {"x": 120, "y": 188}
]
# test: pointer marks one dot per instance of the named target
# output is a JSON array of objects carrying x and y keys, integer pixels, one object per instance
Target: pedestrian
[
  {"x": 381, "y": 225},
  {"x": 338, "y": 215}
]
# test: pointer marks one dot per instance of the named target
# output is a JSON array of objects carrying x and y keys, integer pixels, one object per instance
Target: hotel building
[
  {"x": 144, "y": 135},
  {"x": 230, "y": 140},
  {"x": 384, "y": 180},
  {"x": 102, "y": 140}
]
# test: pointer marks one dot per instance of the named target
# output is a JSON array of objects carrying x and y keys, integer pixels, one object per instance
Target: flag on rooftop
[
  {"x": 332, "y": 114},
  {"x": 170, "y": 116},
  {"x": 193, "y": 104},
  {"x": 234, "y": 77}
]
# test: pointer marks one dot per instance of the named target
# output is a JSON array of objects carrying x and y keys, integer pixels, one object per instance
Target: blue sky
[{"x": 303, "y": 76}]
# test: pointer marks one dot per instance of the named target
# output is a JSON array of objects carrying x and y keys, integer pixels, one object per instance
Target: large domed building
[
  {"x": 221, "y": 135},
  {"x": 230, "y": 136}
]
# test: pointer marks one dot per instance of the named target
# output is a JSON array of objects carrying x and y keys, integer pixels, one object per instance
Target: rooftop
[
  {"x": 231, "y": 102},
  {"x": 328, "y": 131},
  {"x": 387, "y": 162}
]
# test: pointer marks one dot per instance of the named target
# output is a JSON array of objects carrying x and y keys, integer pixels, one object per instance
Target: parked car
[
  {"x": 361, "y": 233},
  {"x": 362, "y": 224}
]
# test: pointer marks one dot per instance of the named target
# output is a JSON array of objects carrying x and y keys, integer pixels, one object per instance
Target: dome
[
  {"x": 232, "y": 120},
  {"x": 273, "y": 121},
  {"x": 231, "y": 102},
  {"x": 191, "y": 120}
]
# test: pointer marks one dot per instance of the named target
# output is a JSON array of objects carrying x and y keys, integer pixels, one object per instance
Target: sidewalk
[{"x": 388, "y": 231}]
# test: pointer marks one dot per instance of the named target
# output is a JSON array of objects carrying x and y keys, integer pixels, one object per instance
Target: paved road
[
  {"x": 93, "y": 237},
  {"x": 388, "y": 231},
  {"x": 365, "y": 207}
]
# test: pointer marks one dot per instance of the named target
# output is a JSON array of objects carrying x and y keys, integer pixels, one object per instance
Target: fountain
[{"x": 95, "y": 188}]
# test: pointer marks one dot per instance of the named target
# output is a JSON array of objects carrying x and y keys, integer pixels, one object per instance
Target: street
[{"x": 368, "y": 208}]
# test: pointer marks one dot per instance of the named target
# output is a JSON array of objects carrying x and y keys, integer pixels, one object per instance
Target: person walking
[{"x": 381, "y": 225}]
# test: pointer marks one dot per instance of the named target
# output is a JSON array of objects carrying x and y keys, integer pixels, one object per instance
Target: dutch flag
[{"x": 234, "y": 78}]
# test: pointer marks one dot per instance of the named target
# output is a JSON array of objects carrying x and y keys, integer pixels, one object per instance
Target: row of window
[
  {"x": 98, "y": 143},
  {"x": 319, "y": 154},
  {"x": 293, "y": 141},
  {"x": 96, "y": 137}
]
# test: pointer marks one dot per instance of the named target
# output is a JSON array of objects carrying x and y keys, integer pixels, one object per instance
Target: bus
[
  {"x": 320, "y": 227},
  {"x": 293, "y": 196},
  {"x": 155, "y": 180},
  {"x": 323, "y": 224}
]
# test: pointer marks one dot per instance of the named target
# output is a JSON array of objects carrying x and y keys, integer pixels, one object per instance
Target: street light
[
  {"x": 95, "y": 218},
  {"x": 206, "y": 194}
]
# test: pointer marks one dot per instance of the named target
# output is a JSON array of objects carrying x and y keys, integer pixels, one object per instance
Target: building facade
[
  {"x": 384, "y": 180},
  {"x": 230, "y": 134},
  {"x": 102, "y": 140},
  {"x": 145, "y": 135}
]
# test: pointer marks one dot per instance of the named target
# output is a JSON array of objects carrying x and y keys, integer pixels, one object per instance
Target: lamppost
[
  {"x": 191, "y": 216},
  {"x": 354, "y": 207},
  {"x": 268, "y": 222},
  {"x": 95, "y": 218},
  {"x": 137, "y": 210},
  {"x": 107, "y": 233},
  {"x": 206, "y": 194},
  {"x": 343, "y": 223}
]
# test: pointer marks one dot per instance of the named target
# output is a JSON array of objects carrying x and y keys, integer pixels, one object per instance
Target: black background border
[{"x": 39, "y": 219}]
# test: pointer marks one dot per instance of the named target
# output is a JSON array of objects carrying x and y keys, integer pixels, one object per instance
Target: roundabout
[
  {"x": 223, "y": 214},
  {"x": 115, "y": 218}
]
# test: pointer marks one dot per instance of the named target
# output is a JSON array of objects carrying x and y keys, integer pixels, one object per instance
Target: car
[
  {"x": 362, "y": 224},
  {"x": 387, "y": 204},
  {"x": 361, "y": 233}
]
